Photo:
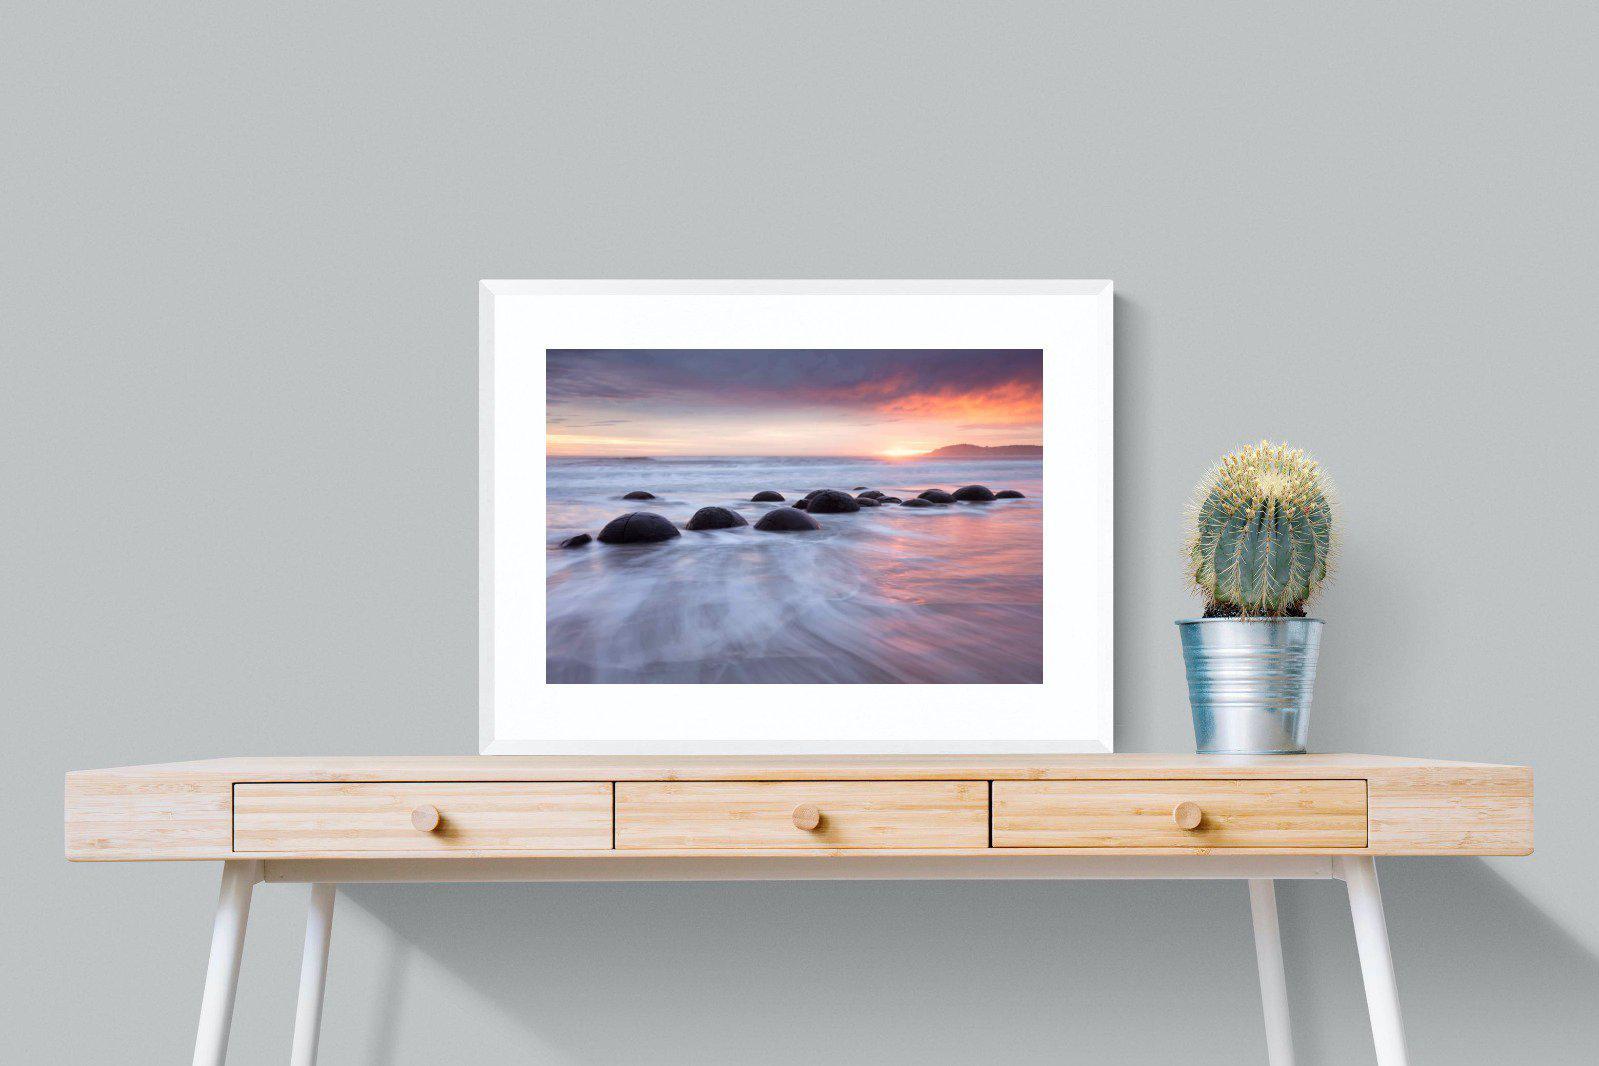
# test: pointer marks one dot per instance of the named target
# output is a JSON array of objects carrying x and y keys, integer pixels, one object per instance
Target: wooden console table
[{"x": 327, "y": 821}]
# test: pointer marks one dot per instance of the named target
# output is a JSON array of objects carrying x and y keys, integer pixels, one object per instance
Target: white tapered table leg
[
  {"x": 239, "y": 877},
  {"x": 313, "y": 975},
  {"x": 1273, "y": 981},
  {"x": 1376, "y": 960}
]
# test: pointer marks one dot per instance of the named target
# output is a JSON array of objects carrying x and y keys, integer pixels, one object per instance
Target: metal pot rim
[{"x": 1255, "y": 619}]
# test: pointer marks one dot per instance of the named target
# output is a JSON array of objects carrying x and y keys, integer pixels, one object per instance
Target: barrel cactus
[{"x": 1261, "y": 538}]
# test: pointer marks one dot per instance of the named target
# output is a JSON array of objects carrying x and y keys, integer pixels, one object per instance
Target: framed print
[{"x": 744, "y": 517}]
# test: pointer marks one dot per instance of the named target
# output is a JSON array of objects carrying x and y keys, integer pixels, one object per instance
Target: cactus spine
[{"x": 1261, "y": 533}]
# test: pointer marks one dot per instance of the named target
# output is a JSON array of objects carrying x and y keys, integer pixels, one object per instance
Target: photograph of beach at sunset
[{"x": 767, "y": 516}]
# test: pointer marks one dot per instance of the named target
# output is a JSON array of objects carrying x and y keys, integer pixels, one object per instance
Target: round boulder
[
  {"x": 876, "y": 494},
  {"x": 935, "y": 496},
  {"x": 917, "y": 502},
  {"x": 577, "y": 541},
  {"x": 715, "y": 518},
  {"x": 803, "y": 505},
  {"x": 786, "y": 520},
  {"x": 857, "y": 488},
  {"x": 638, "y": 527},
  {"x": 1008, "y": 494},
  {"x": 830, "y": 501},
  {"x": 767, "y": 496},
  {"x": 639, "y": 494},
  {"x": 974, "y": 493},
  {"x": 867, "y": 501},
  {"x": 889, "y": 499}
]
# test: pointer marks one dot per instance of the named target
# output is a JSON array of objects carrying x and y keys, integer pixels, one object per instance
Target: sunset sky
[{"x": 857, "y": 402}]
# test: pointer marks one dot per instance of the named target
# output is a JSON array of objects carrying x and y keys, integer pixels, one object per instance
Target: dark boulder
[
  {"x": 767, "y": 496},
  {"x": 786, "y": 520},
  {"x": 867, "y": 501},
  {"x": 974, "y": 493},
  {"x": 889, "y": 499},
  {"x": 876, "y": 494},
  {"x": 857, "y": 488},
  {"x": 639, "y": 494},
  {"x": 803, "y": 505},
  {"x": 829, "y": 501},
  {"x": 1008, "y": 494},
  {"x": 715, "y": 518},
  {"x": 577, "y": 541},
  {"x": 935, "y": 496},
  {"x": 811, "y": 495},
  {"x": 638, "y": 527},
  {"x": 917, "y": 502}
]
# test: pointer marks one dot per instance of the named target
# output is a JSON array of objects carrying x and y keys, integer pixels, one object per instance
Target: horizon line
[{"x": 780, "y": 455}]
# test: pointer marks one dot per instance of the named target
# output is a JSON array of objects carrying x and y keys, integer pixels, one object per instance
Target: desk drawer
[
  {"x": 449, "y": 817},
  {"x": 774, "y": 814},
  {"x": 1155, "y": 814}
]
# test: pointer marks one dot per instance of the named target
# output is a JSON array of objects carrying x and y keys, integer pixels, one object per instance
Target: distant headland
[{"x": 978, "y": 451}]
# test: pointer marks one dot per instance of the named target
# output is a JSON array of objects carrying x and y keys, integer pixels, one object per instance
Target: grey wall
[{"x": 239, "y": 495}]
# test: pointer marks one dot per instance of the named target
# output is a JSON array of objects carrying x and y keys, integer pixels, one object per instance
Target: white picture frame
[{"x": 1070, "y": 321}]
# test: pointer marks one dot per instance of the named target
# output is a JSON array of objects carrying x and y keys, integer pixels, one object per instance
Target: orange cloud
[
  {"x": 900, "y": 395},
  {"x": 1009, "y": 404}
]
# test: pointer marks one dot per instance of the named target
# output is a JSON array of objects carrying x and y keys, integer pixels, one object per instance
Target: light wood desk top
[{"x": 340, "y": 807}]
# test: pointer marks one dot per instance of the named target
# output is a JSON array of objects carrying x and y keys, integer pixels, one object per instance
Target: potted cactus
[{"x": 1260, "y": 545}]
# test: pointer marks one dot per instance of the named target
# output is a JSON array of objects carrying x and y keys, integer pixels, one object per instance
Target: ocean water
[{"x": 937, "y": 595}]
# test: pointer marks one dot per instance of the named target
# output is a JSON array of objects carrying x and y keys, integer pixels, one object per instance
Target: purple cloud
[{"x": 878, "y": 379}]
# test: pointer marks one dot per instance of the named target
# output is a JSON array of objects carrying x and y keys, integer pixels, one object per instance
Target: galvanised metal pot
[{"x": 1249, "y": 682}]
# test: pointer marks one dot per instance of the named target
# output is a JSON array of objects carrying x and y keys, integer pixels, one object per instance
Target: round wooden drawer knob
[
  {"x": 1187, "y": 815},
  {"x": 425, "y": 818},
  {"x": 807, "y": 816}
]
